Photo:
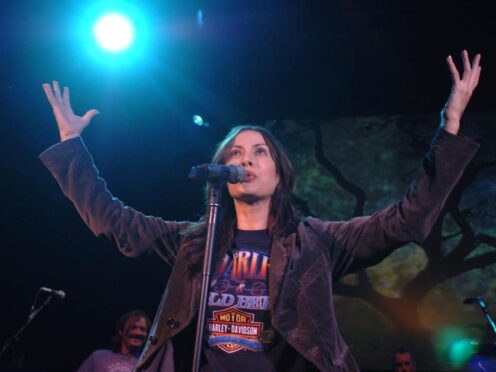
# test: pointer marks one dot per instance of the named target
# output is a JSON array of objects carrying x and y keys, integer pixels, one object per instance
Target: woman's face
[{"x": 251, "y": 151}]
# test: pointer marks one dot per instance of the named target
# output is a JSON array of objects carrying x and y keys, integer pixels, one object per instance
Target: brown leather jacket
[{"x": 303, "y": 264}]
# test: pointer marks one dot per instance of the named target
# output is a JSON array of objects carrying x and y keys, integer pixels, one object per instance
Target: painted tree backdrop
[{"x": 354, "y": 166}]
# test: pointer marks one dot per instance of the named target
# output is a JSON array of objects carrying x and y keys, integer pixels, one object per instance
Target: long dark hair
[{"x": 282, "y": 220}]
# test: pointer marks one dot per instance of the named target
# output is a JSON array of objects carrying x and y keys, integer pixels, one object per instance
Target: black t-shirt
[{"x": 238, "y": 306}]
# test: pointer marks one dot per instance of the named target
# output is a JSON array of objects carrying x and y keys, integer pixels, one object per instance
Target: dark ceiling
[{"x": 253, "y": 61}]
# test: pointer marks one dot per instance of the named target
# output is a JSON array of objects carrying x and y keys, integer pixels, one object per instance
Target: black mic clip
[{"x": 60, "y": 294}]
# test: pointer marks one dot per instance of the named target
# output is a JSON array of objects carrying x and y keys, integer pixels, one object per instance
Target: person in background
[
  {"x": 130, "y": 335},
  {"x": 403, "y": 361}
]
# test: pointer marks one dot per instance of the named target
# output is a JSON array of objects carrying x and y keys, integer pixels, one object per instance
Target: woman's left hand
[{"x": 461, "y": 91}]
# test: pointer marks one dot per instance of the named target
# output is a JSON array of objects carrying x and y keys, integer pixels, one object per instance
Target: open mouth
[
  {"x": 250, "y": 176},
  {"x": 136, "y": 337}
]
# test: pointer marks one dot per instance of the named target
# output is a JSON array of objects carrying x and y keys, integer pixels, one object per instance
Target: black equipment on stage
[
  {"x": 482, "y": 304},
  {"x": 485, "y": 358},
  {"x": 35, "y": 310},
  {"x": 217, "y": 175}
]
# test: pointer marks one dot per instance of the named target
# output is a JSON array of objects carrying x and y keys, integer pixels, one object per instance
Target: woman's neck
[{"x": 253, "y": 216}]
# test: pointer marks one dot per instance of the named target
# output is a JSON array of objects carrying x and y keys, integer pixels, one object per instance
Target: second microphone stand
[
  {"x": 33, "y": 313},
  {"x": 482, "y": 304}
]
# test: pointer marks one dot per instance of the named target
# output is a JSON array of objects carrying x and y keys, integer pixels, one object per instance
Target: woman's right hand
[{"x": 70, "y": 125}]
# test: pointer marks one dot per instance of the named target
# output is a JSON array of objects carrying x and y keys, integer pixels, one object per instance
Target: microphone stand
[
  {"x": 483, "y": 306},
  {"x": 213, "y": 217},
  {"x": 34, "y": 312}
]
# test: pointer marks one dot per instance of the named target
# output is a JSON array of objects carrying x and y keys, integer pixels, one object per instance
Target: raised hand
[
  {"x": 69, "y": 125},
  {"x": 461, "y": 91}
]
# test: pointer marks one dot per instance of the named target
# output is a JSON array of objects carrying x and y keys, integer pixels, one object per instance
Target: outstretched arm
[
  {"x": 461, "y": 91},
  {"x": 70, "y": 125},
  {"x": 366, "y": 240},
  {"x": 72, "y": 166}
]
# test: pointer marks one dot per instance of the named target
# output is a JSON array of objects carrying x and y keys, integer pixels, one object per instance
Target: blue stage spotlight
[{"x": 114, "y": 32}]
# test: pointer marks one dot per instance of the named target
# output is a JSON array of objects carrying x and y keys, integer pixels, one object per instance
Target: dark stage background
[{"x": 369, "y": 75}]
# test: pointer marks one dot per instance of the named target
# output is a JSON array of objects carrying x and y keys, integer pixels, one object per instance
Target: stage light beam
[
  {"x": 461, "y": 351},
  {"x": 114, "y": 32},
  {"x": 198, "y": 120}
]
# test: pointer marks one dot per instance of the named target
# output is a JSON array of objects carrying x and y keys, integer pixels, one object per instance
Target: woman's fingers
[
  {"x": 476, "y": 61},
  {"x": 89, "y": 115},
  {"x": 474, "y": 78},
  {"x": 66, "y": 98},
  {"x": 49, "y": 93},
  {"x": 56, "y": 90},
  {"x": 53, "y": 94},
  {"x": 69, "y": 125},
  {"x": 455, "y": 75},
  {"x": 471, "y": 71},
  {"x": 57, "y": 100},
  {"x": 467, "y": 68}
]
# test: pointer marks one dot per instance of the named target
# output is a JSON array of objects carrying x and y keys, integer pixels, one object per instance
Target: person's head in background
[
  {"x": 130, "y": 333},
  {"x": 403, "y": 361}
]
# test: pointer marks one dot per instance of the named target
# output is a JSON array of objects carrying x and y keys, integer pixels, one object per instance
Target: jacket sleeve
[
  {"x": 365, "y": 241},
  {"x": 133, "y": 232}
]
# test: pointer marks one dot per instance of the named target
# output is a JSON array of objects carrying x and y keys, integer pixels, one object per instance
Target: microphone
[
  {"x": 56, "y": 292},
  {"x": 475, "y": 300},
  {"x": 233, "y": 173}
]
